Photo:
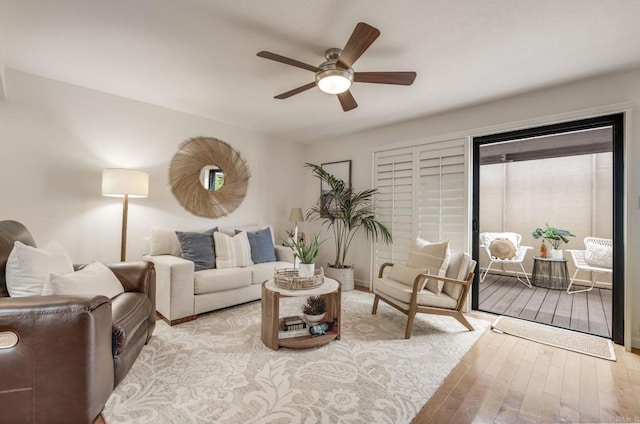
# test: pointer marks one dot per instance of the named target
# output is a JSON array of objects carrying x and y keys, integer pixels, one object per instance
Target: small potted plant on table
[
  {"x": 555, "y": 237},
  {"x": 314, "y": 309},
  {"x": 307, "y": 253}
]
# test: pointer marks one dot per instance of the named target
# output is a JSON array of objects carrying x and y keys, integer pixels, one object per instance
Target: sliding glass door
[{"x": 531, "y": 177}]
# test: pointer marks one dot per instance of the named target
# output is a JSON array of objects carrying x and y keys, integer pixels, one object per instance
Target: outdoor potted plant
[
  {"x": 345, "y": 212},
  {"x": 314, "y": 309},
  {"x": 307, "y": 252},
  {"x": 555, "y": 237}
]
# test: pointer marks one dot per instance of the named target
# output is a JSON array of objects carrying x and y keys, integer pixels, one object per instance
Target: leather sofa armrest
[
  {"x": 61, "y": 369},
  {"x": 135, "y": 276},
  {"x": 139, "y": 277}
]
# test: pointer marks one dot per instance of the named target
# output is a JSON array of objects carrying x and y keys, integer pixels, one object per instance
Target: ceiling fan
[{"x": 335, "y": 75}]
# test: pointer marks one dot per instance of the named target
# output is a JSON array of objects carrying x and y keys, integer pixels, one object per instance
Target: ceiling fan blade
[
  {"x": 347, "y": 101},
  {"x": 361, "y": 38},
  {"x": 286, "y": 61},
  {"x": 398, "y": 78},
  {"x": 295, "y": 91}
]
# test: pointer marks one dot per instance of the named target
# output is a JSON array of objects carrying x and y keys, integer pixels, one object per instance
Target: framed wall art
[{"x": 341, "y": 170}]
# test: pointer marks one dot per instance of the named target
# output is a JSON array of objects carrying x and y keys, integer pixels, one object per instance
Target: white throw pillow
[
  {"x": 431, "y": 256},
  {"x": 29, "y": 267},
  {"x": 406, "y": 275},
  {"x": 93, "y": 280},
  {"x": 164, "y": 242},
  {"x": 232, "y": 251},
  {"x": 598, "y": 255}
]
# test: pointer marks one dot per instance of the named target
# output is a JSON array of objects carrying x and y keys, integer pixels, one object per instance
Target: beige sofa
[{"x": 182, "y": 293}]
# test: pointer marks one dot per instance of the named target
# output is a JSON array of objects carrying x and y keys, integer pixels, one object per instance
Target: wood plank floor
[
  {"x": 589, "y": 312},
  {"x": 505, "y": 379}
]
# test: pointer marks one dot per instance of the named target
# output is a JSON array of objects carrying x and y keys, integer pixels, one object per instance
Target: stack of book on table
[{"x": 293, "y": 327}]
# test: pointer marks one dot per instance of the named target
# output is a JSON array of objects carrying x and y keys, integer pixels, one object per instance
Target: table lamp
[{"x": 296, "y": 216}]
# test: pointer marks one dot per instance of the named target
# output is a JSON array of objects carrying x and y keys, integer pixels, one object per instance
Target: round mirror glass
[{"x": 212, "y": 177}]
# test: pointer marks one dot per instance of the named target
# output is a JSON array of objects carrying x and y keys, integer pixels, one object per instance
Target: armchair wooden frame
[{"x": 414, "y": 308}]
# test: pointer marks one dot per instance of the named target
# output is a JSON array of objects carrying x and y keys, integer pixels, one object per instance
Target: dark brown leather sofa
[{"x": 72, "y": 351}]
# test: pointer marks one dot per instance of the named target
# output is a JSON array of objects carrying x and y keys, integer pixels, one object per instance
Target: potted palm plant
[
  {"x": 345, "y": 213},
  {"x": 307, "y": 253},
  {"x": 555, "y": 237}
]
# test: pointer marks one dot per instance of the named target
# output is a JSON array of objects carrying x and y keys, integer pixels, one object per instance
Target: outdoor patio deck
[{"x": 589, "y": 312}]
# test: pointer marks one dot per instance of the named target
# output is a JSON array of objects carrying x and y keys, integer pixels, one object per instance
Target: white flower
[{"x": 343, "y": 400}]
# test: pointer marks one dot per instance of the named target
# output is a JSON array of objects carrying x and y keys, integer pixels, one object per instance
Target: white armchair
[
  {"x": 599, "y": 252},
  {"x": 520, "y": 252}
]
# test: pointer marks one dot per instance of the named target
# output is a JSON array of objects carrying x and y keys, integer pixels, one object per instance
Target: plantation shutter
[
  {"x": 394, "y": 176},
  {"x": 422, "y": 192},
  {"x": 441, "y": 197}
]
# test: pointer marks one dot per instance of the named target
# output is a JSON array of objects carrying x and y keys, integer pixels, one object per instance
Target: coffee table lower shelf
[
  {"x": 306, "y": 342},
  {"x": 330, "y": 290}
]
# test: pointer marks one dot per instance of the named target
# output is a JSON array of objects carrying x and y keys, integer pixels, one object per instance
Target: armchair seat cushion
[
  {"x": 215, "y": 280},
  {"x": 130, "y": 311},
  {"x": 393, "y": 289}
]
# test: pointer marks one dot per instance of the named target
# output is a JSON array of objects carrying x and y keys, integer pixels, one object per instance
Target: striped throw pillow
[{"x": 232, "y": 251}]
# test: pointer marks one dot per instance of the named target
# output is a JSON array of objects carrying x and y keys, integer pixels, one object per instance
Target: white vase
[
  {"x": 556, "y": 253},
  {"x": 314, "y": 319},
  {"x": 343, "y": 275},
  {"x": 306, "y": 270}
]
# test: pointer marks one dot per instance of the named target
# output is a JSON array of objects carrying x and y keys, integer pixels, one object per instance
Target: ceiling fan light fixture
[{"x": 334, "y": 81}]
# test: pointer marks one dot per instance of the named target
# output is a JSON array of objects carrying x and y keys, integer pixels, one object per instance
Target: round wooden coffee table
[{"x": 331, "y": 290}]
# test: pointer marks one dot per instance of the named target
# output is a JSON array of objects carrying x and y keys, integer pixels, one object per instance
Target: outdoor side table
[{"x": 550, "y": 273}]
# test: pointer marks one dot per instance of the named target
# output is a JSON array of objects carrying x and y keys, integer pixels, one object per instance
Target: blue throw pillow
[
  {"x": 261, "y": 243},
  {"x": 198, "y": 248}
]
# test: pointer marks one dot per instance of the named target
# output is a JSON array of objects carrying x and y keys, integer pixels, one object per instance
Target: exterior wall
[{"x": 572, "y": 193}]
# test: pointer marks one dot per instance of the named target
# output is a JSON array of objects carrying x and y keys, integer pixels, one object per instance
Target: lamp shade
[
  {"x": 118, "y": 182},
  {"x": 296, "y": 215}
]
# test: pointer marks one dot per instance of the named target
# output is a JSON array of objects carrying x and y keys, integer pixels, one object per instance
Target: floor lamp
[{"x": 124, "y": 183}]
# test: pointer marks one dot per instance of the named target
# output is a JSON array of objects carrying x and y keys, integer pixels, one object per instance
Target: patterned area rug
[
  {"x": 558, "y": 337},
  {"x": 216, "y": 369}
]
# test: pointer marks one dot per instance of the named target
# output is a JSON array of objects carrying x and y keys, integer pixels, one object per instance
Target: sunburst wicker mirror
[{"x": 208, "y": 161}]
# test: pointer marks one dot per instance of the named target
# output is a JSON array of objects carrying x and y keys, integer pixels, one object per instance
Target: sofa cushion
[
  {"x": 232, "y": 251},
  {"x": 164, "y": 241},
  {"x": 263, "y": 272},
  {"x": 28, "y": 267},
  {"x": 407, "y": 275},
  {"x": 261, "y": 243},
  {"x": 460, "y": 265},
  {"x": 502, "y": 248},
  {"x": 432, "y": 256},
  {"x": 129, "y": 311},
  {"x": 402, "y": 292},
  {"x": 599, "y": 256},
  {"x": 94, "y": 279},
  {"x": 198, "y": 248},
  {"x": 215, "y": 280}
]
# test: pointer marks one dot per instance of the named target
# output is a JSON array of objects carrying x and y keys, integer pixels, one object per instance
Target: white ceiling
[{"x": 199, "y": 56}]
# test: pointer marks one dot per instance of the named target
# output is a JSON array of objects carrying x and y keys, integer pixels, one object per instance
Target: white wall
[
  {"x": 56, "y": 138},
  {"x": 565, "y": 102}
]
